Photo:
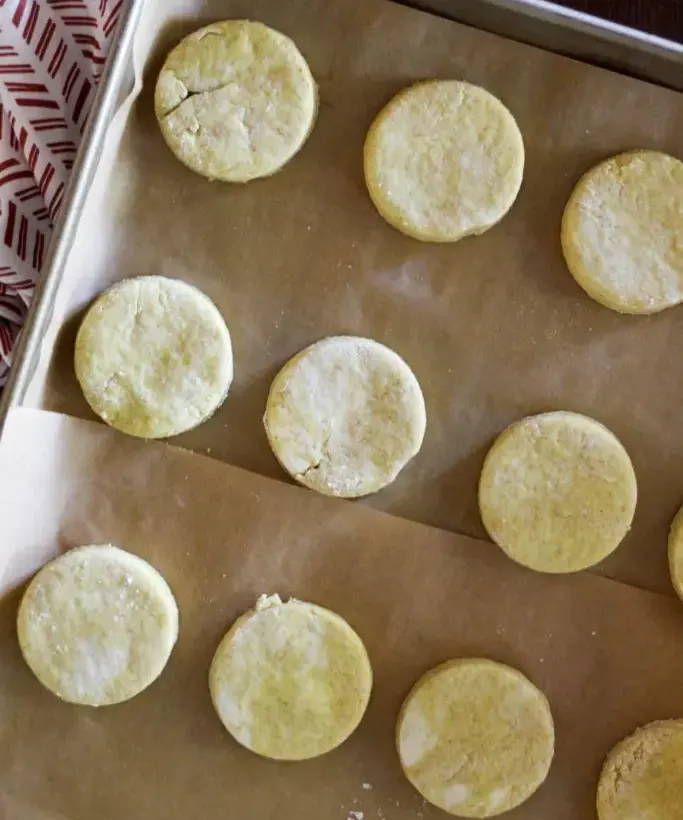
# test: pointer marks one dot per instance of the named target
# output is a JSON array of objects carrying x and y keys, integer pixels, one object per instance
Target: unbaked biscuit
[
  {"x": 676, "y": 553},
  {"x": 290, "y": 681},
  {"x": 622, "y": 232},
  {"x": 557, "y": 492},
  {"x": 345, "y": 415},
  {"x": 444, "y": 160},
  {"x": 97, "y": 625},
  {"x": 642, "y": 777},
  {"x": 475, "y": 737},
  {"x": 153, "y": 357},
  {"x": 235, "y": 101}
]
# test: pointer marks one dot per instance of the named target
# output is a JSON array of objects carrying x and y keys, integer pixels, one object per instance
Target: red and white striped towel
[{"x": 51, "y": 57}]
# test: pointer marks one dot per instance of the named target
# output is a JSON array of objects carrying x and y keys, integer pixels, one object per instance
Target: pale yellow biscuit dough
[
  {"x": 444, "y": 160},
  {"x": 475, "y": 737},
  {"x": 345, "y": 415},
  {"x": 642, "y": 778},
  {"x": 676, "y": 553},
  {"x": 290, "y": 681},
  {"x": 622, "y": 232},
  {"x": 153, "y": 357},
  {"x": 557, "y": 492},
  {"x": 235, "y": 101},
  {"x": 97, "y": 625}
]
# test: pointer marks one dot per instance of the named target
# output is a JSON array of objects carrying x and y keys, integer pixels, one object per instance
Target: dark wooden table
[{"x": 663, "y": 17}]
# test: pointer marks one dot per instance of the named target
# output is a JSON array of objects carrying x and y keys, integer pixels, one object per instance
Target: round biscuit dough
[
  {"x": 557, "y": 492},
  {"x": 97, "y": 625},
  {"x": 290, "y": 681},
  {"x": 345, "y": 415},
  {"x": 642, "y": 777},
  {"x": 475, "y": 737},
  {"x": 235, "y": 101},
  {"x": 676, "y": 553},
  {"x": 443, "y": 160},
  {"x": 622, "y": 232},
  {"x": 153, "y": 357}
]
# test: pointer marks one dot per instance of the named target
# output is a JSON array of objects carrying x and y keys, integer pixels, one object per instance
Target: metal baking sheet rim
[{"x": 537, "y": 22}]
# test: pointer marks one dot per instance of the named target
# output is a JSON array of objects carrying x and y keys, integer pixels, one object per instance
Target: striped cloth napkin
[{"x": 52, "y": 53}]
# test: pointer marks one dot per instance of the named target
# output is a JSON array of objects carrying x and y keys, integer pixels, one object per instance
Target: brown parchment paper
[
  {"x": 609, "y": 656},
  {"x": 494, "y": 327}
]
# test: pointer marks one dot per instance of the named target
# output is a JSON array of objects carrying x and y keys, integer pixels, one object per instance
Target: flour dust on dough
[
  {"x": 475, "y": 737},
  {"x": 557, "y": 492},
  {"x": 622, "y": 232},
  {"x": 443, "y": 160},
  {"x": 345, "y": 415},
  {"x": 642, "y": 778},
  {"x": 235, "y": 101},
  {"x": 153, "y": 357},
  {"x": 97, "y": 625},
  {"x": 290, "y": 680},
  {"x": 676, "y": 553}
]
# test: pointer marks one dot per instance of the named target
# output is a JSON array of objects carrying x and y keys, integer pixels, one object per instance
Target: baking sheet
[
  {"x": 494, "y": 326},
  {"x": 566, "y": 30},
  {"x": 608, "y": 656}
]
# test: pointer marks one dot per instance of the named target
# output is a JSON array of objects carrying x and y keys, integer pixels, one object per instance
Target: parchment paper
[
  {"x": 609, "y": 656},
  {"x": 494, "y": 327}
]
